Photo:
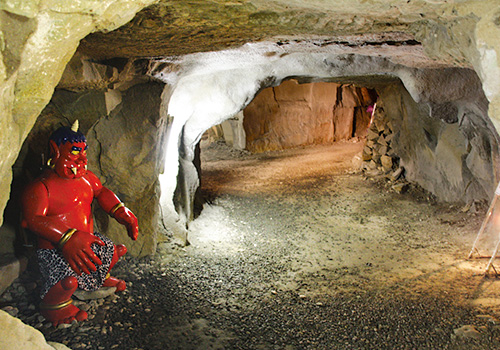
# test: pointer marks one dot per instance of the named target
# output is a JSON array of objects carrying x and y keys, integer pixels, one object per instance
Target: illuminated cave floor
[{"x": 295, "y": 250}]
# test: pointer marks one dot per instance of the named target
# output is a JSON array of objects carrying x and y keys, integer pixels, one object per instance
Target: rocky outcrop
[
  {"x": 127, "y": 156},
  {"x": 38, "y": 42},
  {"x": 439, "y": 98},
  {"x": 124, "y": 151},
  {"x": 14, "y": 335},
  {"x": 449, "y": 157},
  {"x": 446, "y": 143}
]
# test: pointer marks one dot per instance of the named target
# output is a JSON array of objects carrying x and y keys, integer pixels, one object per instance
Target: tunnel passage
[
  {"x": 400, "y": 139},
  {"x": 442, "y": 133},
  {"x": 292, "y": 115}
]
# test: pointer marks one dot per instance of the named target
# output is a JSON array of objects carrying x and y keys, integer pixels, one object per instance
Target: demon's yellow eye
[{"x": 76, "y": 150}]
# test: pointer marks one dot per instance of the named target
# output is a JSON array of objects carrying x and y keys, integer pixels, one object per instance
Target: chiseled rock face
[
  {"x": 15, "y": 335},
  {"x": 37, "y": 42},
  {"x": 39, "y": 38},
  {"x": 170, "y": 27},
  {"x": 293, "y": 114},
  {"x": 124, "y": 152},
  {"x": 450, "y": 151}
]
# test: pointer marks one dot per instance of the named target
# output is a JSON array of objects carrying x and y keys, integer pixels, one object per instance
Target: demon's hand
[
  {"x": 79, "y": 254},
  {"x": 125, "y": 217}
]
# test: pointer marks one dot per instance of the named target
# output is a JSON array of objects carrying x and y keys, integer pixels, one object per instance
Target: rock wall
[
  {"x": 14, "y": 334},
  {"x": 124, "y": 152},
  {"x": 38, "y": 41},
  {"x": 441, "y": 95},
  {"x": 294, "y": 114},
  {"x": 455, "y": 158},
  {"x": 36, "y": 44}
]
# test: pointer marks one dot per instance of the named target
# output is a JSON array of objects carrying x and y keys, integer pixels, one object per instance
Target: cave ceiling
[{"x": 175, "y": 27}]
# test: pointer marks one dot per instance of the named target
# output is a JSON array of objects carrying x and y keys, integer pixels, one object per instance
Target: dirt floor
[{"x": 298, "y": 249}]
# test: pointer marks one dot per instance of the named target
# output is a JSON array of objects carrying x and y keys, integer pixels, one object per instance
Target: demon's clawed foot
[
  {"x": 57, "y": 306},
  {"x": 115, "y": 282}
]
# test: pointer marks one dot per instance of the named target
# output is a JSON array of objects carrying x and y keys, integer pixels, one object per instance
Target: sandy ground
[
  {"x": 343, "y": 221},
  {"x": 299, "y": 250},
  {"x": 344, "y": 232}
]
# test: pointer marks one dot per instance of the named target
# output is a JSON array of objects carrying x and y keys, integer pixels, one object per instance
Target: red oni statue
[{"x": 57, "y": 208}]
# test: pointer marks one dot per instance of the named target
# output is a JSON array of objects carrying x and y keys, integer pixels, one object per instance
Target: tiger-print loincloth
[{"x": 55, "y": 268}]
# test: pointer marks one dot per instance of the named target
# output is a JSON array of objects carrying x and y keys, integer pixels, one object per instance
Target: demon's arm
[{"x": 112, "y": 205}]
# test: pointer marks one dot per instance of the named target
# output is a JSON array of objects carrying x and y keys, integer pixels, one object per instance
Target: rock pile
[{"x": 378, "y": 155}]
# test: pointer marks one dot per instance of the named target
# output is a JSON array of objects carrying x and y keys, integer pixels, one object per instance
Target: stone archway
[{"x": 437, "y": 111}]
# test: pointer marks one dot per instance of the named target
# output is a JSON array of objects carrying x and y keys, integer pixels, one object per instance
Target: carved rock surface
[
  {"x": 293, "y": 114},
  {"x": 36, "y": 43}
]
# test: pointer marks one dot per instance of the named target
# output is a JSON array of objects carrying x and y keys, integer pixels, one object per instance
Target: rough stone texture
[
  {"x": 361, "y": 36},
  {"x": 14, "y": 335},
  {"x": 377, "y": 153},
  {"x": 226, "y": 24},
  {"x": 101, "y": 293},
  {"x": 134, "y": 177},
  {"x": 10, "y": 269},
  {"x": 371, "y": 42},
  {"x": 38, "y": 42},
  {"x": 190, "y": 102},
  {"x": 461, "y": 33},
  {"x": 438, "y": 92},
  {"x": 125, "y": 153},
  {"x": 293, "y": 114},
  {"x": 447, "y": 159}
]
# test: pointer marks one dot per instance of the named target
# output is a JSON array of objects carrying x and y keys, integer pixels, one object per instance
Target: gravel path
[{"x": 293, "y": 259}]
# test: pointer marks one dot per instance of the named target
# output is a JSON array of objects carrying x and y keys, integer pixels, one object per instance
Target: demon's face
[{"x": 72, "y": 160}]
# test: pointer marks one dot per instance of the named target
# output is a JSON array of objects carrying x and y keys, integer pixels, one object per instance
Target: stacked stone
[{"x": 378, "y": 155}]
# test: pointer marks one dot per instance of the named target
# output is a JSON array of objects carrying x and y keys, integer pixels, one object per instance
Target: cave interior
[
  {"x": 152, "y": 94},
  {"x": 430, "y": 122}
]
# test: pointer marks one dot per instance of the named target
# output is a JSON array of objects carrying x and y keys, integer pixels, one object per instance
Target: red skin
[{"x": 61, "y": 200}]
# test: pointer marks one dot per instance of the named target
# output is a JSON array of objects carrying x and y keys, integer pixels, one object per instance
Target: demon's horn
[{"x": 75, "y": 126}]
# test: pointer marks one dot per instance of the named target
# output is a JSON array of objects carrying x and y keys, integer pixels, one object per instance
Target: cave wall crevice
[
  {"x": 128, "y": 163},
  {"x": 454, "y": 161},
  {"x": 125, "y": 152}
]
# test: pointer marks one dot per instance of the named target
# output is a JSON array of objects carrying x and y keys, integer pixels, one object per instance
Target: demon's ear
[{"x": 54, "y": 150}]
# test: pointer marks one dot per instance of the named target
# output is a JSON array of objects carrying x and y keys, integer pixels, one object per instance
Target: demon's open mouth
[{"x": 76, "y": 171}]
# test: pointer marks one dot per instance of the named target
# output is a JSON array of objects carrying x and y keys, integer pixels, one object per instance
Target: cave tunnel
[
  {"x": 294, "y": 115},
  {"x": 303, "y": 177}
]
